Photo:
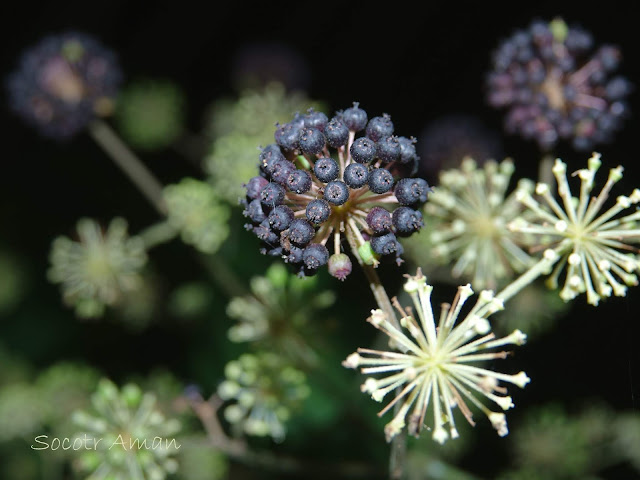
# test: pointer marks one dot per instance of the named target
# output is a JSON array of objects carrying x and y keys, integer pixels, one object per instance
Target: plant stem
[
  {"x": 543, "y": 266},
  {"x": 129, "y": 163},
  {"x": 158, "y": 234},
  {"x": 207, "y": 412},
  {"x": 398, "y": 454}
]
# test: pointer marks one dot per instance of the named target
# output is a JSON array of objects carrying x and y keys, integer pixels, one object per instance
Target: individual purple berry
[
  {"x": 294, "y": 255},
  {"x": 326, "y": 169},
  {"x": 339, "y": 266},
  {"x": 336, "y": 192},
  {"x": 255, "y": 186},
  {"x": 318, "y": 211},
  {"x": 379, "y": 220},
  {"x": 354, "y": 118},
  {"x": 272, "y": 195},
  {"x": 410, "y": 191},
  {"x": 379, "y": 128},
  {"x": 407, "y": 220},
  {"x": 288, "y": 136},
  {"x": 281, "y": 171},
  {"x": 315, "y": 255},
  {"x": 384, "y": 244},
  {"x": 336, "y": 133},
  {"x": 254, "y": 211},
  {"x": 356, "y": 175},
  {"x": 315, "y": 119},
  {"x": 269, "y": 156},
  {"x": 388, "y": 149},
  {"x": 311, "y": 141},
  {"x": 300, "y": 232},
  {"x": 299, "y": 181},
  {"x": 272, "y": 251},
  {"x": 380, "y": 180},
  {"x": 264, "y": 233},
  {"x": 363, "y": 150},
  {"x": 407, "y": 149},
  {"x": 280, "y": 218}
]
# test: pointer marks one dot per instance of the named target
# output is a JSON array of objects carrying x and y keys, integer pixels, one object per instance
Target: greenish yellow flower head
[
  {"x": 240, "y": 127},
  {"x": 275, "y": 315},
  {"x": 98, "y": 268},
  {"x": 126, "y": 437},
  {"x": 197, "y": 212},
  {"x": 470, "y": 211},
  {"x": 265, "y": 391},
  {"x": 150, "y": 114},
  {"x": 593, "y": 244},
  {"x": 437, "y": 368}
]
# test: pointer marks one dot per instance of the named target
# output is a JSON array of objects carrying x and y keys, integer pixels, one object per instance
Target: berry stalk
[{"x": 129, "y": 163}]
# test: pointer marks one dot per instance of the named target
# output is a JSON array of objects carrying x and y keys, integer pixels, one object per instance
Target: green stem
[
  {"x": 542, "y": 267},
  {"x": 545, "y": 172},
  {"x": 398, "y": 453},
  {"x": 157, "y": 234},
  {"x": 129, "y": 163}
]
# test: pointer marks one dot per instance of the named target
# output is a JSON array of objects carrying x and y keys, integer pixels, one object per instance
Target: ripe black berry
[
  {"x": 336, "y": 192},
  {"x": 356, "y": 175},
  {"x": 315, "y": 255},
  {"x": 255, "y": 186},
  {"x": 379, "y": 220},
  {"x": 280, "y": 218},
  {"x": 363, "y": 150},
  {"x": 264, "y": 233},
  {"x": 379, "y": 127},
  {"x": 288, "y": 136},
  {"x": 268, "y": 156},
  {"x": 272, "y": 195},
  {"x": 407, "y": 220},
  {"x": 315, "y": 119},
  {"x": 388, "y": 149},
  {"x": 294, "y": 254},
  {"x": 354, "y": 118},
  {"x": 311, "y": 141},
  {"x": 299, "y": 181},
  {"x": 254, "y": 211},
  {"x": 407, "y": 149},
  {"x": 318, "y": 211},
  {"x": 384, "y": 244},
  {"x": 300, "y": 232},
  {"x": 336, "y": 133},
  {"x": 326, "y": 169},
  {"x": 281, "y": 171},
  {"x": 409, "y": 191},
  {"x": 380, "y": 180}
]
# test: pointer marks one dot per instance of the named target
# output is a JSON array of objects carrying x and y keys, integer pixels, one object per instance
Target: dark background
[{"x": 417, "y": 63}]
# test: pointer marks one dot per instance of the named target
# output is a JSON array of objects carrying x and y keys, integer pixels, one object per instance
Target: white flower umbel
[
  {"x": 592, "y": 243},
  {"x": 437, "y": 369},
  {"x": 472, "y": 209}
]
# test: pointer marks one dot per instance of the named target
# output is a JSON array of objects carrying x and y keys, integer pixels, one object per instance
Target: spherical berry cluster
[
  {"x": 63, "y": 82},
  {"x": 555, "y": 88},
  {"x": 305, "y": 196}
]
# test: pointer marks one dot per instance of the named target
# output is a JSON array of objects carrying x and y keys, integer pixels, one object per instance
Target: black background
[{"x": 415, "y": 62}]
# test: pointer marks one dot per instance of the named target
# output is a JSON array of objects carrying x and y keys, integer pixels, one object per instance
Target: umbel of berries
[
  {"x": 326, "y": 179},
  {"x": 64, "y": 82},
  {"x": 556, "y": 86}
]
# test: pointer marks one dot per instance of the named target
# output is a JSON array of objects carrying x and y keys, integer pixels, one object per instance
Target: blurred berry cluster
[
  {"x": 556, "y": 87},
  {"x": 304, "y": 197},
  {"x": 63, "y": 82}
]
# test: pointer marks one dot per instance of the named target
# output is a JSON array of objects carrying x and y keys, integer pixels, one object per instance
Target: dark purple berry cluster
[
  {"x": 555, "y": 86},
  {"x": 63, "y": 82},
  {"x": 325, "y": 178}
]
